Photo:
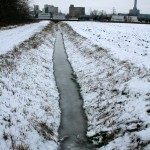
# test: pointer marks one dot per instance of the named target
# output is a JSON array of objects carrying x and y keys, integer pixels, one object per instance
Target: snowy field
[
  {"x": 12, "y": 37},
  {"x": 125, "y": 41},
  {"x": 29, "y": 108},
  {"x": 9, "y": 27},
  {"x": 112, "y": 64}
]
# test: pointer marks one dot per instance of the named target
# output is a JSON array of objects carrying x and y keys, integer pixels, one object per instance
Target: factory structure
[
  {"x": 52, "y": 12},
  {"x": 134, "y": 11},
  {"x": 48, "y": 12},
  {"x": 78, "y": 13},
  {"x": 133, "y": 16}
]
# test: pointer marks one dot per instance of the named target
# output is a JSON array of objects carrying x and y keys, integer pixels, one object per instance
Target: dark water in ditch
[{"x": 73, "y": 125}]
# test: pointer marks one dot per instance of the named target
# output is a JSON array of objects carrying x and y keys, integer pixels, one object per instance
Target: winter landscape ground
[
  {"x": 112, "y": 65},
  {"x": 29, "y": 109}
]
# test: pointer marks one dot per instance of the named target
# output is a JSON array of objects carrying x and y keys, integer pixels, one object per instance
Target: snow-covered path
[{"x": 13, "y": 37}]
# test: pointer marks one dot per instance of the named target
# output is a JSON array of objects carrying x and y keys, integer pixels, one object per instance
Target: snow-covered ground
[
  {"x": 125, "y": 41},
  {"x": 9, "y": 27},
  {"x": 115, "y": 84},
  {"x": 29, "y": 107},
  {"x": 12, "y": 37}
]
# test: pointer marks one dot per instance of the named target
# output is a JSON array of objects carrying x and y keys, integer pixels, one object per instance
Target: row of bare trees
[
  {"x": 101, "y": 15},
  {"x": 13, "y": 11},
  {"x": 98, "y": 15}
]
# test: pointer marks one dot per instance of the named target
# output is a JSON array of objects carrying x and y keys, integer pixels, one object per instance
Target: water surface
[{"x": 73, "y": 125}]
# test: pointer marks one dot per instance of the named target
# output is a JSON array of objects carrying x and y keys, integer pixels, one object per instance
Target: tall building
[
  {"x": 50, "y": 9},
  {"x": 55, "y": 10},
  {"x": 36, "y": 10},
  {"x": 76, "y": 12},
  {"x": 46, "y": 8},
  {"x": 134, "y": 11}
]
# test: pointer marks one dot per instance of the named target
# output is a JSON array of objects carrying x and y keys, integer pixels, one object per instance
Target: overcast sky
[{"x": 121, "y": 6}]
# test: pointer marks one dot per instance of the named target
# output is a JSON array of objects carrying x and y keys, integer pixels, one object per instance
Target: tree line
[{"x": 14, "y": 11}]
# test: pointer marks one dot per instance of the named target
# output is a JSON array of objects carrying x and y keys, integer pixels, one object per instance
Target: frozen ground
[
  {"x": 29, "y": 108},
  {"x": 12, "y": 37},
  {"x": 8, "y": 27},
  {"x": 115, "y": 88},
  {"x": 125, "y": 41}
]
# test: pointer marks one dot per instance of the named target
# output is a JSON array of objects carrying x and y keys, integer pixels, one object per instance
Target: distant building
[
  {"x": 55, "y": 10},
  {"x": 36, "y": 10},
  {"x": 59, "y": 16},
  {"x": 131, "y": 19},
  {"x": 144, "y": 17},
  {"x": 44, "y": 16},
  {"x": 50, "y": 9},
  {"x": 134, "y": 11},
  {"x": 117, "y": 18},
  {"x": 43, "y": 10},
  {"x": 46, "y": 9},
  {"x": 76, "y": 12}
]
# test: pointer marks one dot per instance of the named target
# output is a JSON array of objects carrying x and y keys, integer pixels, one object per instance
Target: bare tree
[
  {"x": 14, "y": 10},
  {"x": 94, "y": 13}
]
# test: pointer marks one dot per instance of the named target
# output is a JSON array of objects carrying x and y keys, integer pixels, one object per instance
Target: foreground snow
[
  {"x": 12, "y": 37},
  {"x": 9, "y": 27},
  {"x": 29, "y": 108},
  {"x": 116, "y": 93},
  {"x": 125, "y": 41}
]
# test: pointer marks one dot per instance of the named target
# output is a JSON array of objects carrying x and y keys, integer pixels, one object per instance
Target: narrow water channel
[{"x": 73, "y": 125}]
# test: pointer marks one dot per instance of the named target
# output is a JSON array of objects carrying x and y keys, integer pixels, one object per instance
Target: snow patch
[{"x": 13, "y": 37}]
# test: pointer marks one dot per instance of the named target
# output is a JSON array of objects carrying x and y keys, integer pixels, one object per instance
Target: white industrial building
[
  {"x": 48, "y": 12},
  {"x": 118, "y": 18},
  {"x": 132, "y": 19},
  {"x": 44, "y": 16}
]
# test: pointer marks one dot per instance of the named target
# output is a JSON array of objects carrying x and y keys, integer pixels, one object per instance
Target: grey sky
[{"x": 121, "y": 6}]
